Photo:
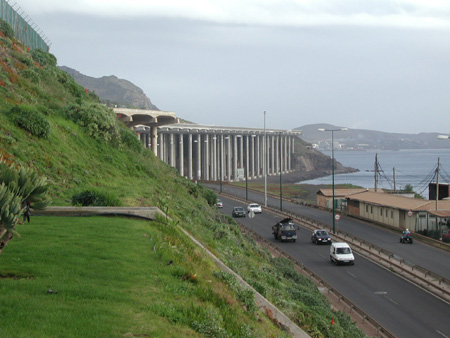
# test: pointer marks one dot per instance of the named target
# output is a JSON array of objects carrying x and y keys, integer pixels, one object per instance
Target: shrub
[
  {"x": 6, "y": 42},
  {"x": 69, "y": 83},
  {"x": 6, "y": 29},
  {"x": 31, "y": 75},
  {"x": 42, "y": 58},
  {"x": 130, "y": 140},
  {"x": 95, "y": 198},
  {"x": 210, "y": 196},
  {"x": 28, "y": 118},
  {"x": 98, "y": 121}
]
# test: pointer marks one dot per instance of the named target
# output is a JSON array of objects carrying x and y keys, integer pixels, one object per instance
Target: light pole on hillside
[{"x": 332, "y": 170}]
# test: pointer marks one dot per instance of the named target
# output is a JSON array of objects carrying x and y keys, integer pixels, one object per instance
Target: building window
[
  {"x": 392, "y": 214},
  {"x": 386, "y": 212},
  {"x": 367, "y": 208},
  {"x": 371, "y": 209},
  {"x": 381, "y": 212}
]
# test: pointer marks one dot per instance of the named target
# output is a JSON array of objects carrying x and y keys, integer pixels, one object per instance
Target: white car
[
  {"x": 256, "y": 208},
  {"x": 340, "y": 253}
]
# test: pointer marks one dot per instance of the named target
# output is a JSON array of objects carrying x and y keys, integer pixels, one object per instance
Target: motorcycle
[{"x": 406, "y": 238}]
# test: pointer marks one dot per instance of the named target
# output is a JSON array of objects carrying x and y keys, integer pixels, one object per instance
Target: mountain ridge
[
  {"x": 113, "y": 91},
  {"x": 365, "y": 139}
]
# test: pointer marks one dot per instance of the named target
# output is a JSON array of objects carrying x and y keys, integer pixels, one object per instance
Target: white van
[{"x": 340, "y": 252}]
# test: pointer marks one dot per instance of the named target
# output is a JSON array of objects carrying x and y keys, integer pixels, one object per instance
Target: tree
[
  {"x": 20, "y": 190},
  {"x": 409, "y": 188}
]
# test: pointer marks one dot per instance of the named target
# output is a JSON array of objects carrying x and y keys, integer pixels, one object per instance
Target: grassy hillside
[{"x": 51, "y": 124}]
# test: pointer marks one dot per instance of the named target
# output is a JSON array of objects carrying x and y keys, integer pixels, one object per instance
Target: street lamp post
[
  {"x": 332, "y": 170},
  {"x": 281, "y": 169},
  {"x": 265, "y": 161}
]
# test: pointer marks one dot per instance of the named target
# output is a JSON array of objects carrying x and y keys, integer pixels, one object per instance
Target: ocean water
[{"x": 414, "y": 167}]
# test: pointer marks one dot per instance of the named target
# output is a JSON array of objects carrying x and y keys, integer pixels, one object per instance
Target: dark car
[
  {"x": 285, "y": 230},
  {"x": 238, "y": 212},
  {"x": 320, "y": 237}
]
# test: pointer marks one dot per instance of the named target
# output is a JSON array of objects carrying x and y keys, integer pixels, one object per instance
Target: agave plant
[{"x": 20, "y": 189}]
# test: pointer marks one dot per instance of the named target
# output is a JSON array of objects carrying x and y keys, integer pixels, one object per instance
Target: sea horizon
[{"x": 397, "y": 168}]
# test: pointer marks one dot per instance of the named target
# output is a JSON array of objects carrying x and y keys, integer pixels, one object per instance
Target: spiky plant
[{"x": 20, "y": 189}]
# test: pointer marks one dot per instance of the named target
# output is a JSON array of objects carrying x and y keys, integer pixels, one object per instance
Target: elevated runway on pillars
[{"x": 151, "y": 118}]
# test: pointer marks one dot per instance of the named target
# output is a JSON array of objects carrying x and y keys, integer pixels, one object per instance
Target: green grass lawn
[{"x": 112, "y": 277}]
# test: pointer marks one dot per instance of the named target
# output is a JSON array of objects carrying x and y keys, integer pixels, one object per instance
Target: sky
[{"x": 367, "y": 64}]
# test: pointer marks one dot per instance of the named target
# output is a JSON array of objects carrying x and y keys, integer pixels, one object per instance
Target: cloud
[{"x": 387, "y": 13}]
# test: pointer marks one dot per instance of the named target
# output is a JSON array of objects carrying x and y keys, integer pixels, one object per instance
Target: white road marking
[
  {"x": 393, "y": 301},
  {"x": 352, "y": 275},
  {"x": 443, "y": 335}
]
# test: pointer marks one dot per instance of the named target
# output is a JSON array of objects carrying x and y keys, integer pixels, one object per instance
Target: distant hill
[
  {"x": 362, "y": 139},
  {"x": 113, "y": 91}
]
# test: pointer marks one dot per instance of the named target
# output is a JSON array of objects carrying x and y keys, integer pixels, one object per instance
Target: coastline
[{"x": 300, "y": 176}]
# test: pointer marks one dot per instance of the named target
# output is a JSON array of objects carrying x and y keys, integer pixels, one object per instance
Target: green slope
[{"x": 51, "y": 124}]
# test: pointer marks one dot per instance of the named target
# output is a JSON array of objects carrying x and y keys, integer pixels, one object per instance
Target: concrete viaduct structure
[
  {"x": 212, "y": 153},
  {"x": 225, "y": 153},
  {"x": 145, "y": 123}
]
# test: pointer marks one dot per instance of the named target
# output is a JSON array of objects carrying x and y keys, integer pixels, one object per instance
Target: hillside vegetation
[{"x": 52, "y": 125}]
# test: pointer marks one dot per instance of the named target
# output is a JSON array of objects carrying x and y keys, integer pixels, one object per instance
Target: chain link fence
[{"x": 25, "y": 29}]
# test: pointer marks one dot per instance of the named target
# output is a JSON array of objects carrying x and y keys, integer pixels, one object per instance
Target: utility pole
[
  {"x": 437, "y": 181},
  {"x": 394, "y": 178},
  {"x": 280, "y": 168},
  {"x": 376, "y": 171},
  {"x": 265, "y": 161},
  {"x": 332, "y": 171}
]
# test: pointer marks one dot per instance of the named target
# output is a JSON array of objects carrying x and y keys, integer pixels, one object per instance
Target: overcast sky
[{"x": 369, "y": 64}]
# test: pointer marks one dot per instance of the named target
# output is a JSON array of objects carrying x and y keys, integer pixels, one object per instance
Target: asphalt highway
[
  {"x": 401, "y": 307},
  {"x": 431, "y": 258}
]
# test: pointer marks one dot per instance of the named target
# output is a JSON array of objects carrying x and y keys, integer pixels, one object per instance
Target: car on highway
[
  {"x": 255, "y": 207},
  {"x": 238, "y": 212},
  {"x": 341, "y": 253},
  {"x": 285, "y": 230},
  {"x": 219, "y": 204},
  {"x": 320, "y": 237}
]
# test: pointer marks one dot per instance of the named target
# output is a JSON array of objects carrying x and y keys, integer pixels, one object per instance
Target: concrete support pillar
[
  {"x": 181, "y": 154},
  {"x": 257, "y": 156},
  {"x": 286, "y": 154},
  {"x": 198, "y": 168},
  {"x": 241, "y": 152},
  {"x": 145, "y": 140},
  {"x": 165, "y": 148},
  {"x": 277, "y": 154},
  {"x": 189, "y": 160},
  {"x": 172, "y": 151},
  {"x": 291, "y": 151},
  {"x": 252, "y": 156},
  {"x": 154, "y": 140},
  {"x": 221, "y": 158},
  {"x": 160, "y": 146},
  {"x": 207, "y": 164},
  {"x": 214, "y": 158}
]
